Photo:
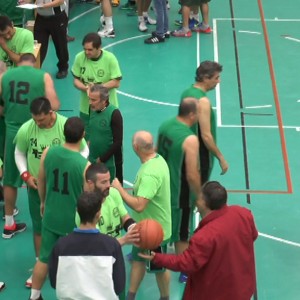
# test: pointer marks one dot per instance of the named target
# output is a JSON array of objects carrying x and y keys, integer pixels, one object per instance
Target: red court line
[{"x": 276, "y": 100}]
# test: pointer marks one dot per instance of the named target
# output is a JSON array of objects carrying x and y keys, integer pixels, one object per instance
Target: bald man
[
  {"x": 179, "y": 146},
  {"x": 151, "y": 199}
]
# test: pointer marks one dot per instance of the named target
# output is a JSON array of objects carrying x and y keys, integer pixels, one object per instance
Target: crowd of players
[{"x": 59, "y": 158}]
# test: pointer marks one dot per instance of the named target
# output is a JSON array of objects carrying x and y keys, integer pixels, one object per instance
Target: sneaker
[
  {"x": 168, "y": 5},
  {"x": 154, "y": 39},
  {"x": 2, "y": 286},
  {"x": 28, "y": 282},
  {"x": 102, "y": 21},
  {"x": 200, "y": 29},
  {"x": 10, "y": 231},
  {"x": 149, "y": 21},
  {"x": 61, "y": 74},
  {"x": 16, "y": 211},
  {"x": 167, "y": 34},
  {"x": 107, "y": 33},
  {"x": 142, "y": 27},
  {"x": 181, "y": 33},
  {"x": 115, "y": 3},
  {"x": 182, "y": 278},
  {"x": 192, "y": 23}
]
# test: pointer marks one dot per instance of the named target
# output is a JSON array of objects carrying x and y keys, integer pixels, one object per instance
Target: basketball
[{"x": 151, "y": 234}]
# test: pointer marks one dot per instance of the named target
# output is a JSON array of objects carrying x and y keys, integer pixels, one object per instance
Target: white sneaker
[
  {"x": 102, "y": 20},
  {"x": 168, "y": 5},
  {"x": 142, "y": 27},
  {"x": 107, "y": 33},
  {"x": 2, "y": 286},
  {"x": 28, "y": 282},
  {"x": 149, "y": 20}
]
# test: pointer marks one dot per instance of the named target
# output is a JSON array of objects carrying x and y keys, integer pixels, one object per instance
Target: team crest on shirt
[
  {"x": 56, "y": 142},
  {"x": 103, "y": 123},
  {"x": 116, "y": 212},
  {"x": 100, "y": 73}
]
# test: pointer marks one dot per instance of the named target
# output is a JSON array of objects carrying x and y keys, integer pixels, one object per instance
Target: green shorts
[
  {"x": 35, "y": 210},
  {"x": 182, "y": 224},
  {"x": 191, "y": 3},
  {"x": 49, "y": 240},
  {"x": 11, "y": 174}
]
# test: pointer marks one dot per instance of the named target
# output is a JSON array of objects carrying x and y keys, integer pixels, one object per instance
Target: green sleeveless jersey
[
  {"x": 64, "y": 171},
  {"x": 171, "y": 136},
  {"x": 100, "y": 134},
  {"x": 20, "y": 86},
  {"x": 198, "y": 94}
]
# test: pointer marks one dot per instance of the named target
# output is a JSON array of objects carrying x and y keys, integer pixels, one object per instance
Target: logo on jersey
[{"x": 100, "y": 73}]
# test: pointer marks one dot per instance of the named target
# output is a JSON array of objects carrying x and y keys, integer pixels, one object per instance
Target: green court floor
[{"x": 258, "y": 111}]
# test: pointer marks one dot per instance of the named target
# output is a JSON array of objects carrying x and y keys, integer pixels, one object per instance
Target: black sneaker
[
  {"x": 154, "y": 39},
  {"x": 61, "y": 74},
  {"x": 10, "y": 231}
]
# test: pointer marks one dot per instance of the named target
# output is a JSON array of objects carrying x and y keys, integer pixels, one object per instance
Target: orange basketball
[{"x": 151, "y": 234}]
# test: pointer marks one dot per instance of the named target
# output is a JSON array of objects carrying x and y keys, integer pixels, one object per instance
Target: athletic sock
[
  {"x": 203, "y": 25},
  {"x": 9, "y": 220},
  {"x": 145, "y": 14},
  {"x": 130, "y": 296},
  {"x": 140, "y": 19},
  {"x": 35, "y": 294},
  {"x": 108, "y": 22}
]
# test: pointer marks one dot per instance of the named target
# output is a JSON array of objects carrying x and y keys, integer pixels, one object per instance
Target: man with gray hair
[
  {"x": 105, "y": 131},
  {"x": 151, "y": 199}
]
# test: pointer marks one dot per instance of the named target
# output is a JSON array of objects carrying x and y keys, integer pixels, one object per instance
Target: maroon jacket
[{"x": 220, "y": 258}]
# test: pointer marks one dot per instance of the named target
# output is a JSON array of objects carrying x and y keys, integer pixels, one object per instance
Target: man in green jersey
[
  {"x": 207, "y": 78},
  {"x": 95, "y": 65},
  {"x": 60, "y": 182},
  {"x": 45, "y": 129},
  {"x": 14, "y": 42},
  {"x": 151, "y": 199},
  {"x": 179, "y": 146},
  {"x": 18, "y": 88},
  {"x": 105, "y": 131},
  {"x": 114, "y": 215}
]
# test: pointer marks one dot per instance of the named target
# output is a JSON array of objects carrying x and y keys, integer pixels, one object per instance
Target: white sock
[
  {"x": 203, "y": 25},
  {"x": 194, "y": 16},
  {"x": 108, "y": 22},
  {"x": 35, "y": 294},
  {"x": 140, "y": 18},
  {"x": 145, "y": 14},
  {"x": 9, "y": 220}
]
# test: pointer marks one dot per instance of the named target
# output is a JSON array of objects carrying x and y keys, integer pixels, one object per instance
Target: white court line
[
  {"x": 216, "y": 58},
  {"x": 259, "y": 126},
  {"x": 128, "y": 183},
  {"x": 83, "y": 14},
  {"x": 250, "y": 32},
  {"x": 258, "y": 20},
  {"x": 146, "y": 100},
  {"x": 261, "y": 106},
  {"x": 198, "y": 50},
  {"x": 292, "y": 39}
]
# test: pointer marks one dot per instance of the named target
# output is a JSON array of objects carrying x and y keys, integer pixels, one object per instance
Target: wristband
[
  {"x": 25, "y": 176},
  {"x": 128, "y": 223}
]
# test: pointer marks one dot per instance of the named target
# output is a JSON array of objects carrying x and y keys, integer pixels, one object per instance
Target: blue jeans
[{"x": 162, "y": 19}]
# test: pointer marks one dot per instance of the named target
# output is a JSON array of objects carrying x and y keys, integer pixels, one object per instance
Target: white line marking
[
  {"x": 280, "y": 240},
  {"x": 128, "y": 182},
  {"x": 83, "y": 14},
  {"x": 146, "y": 100},
  {"x": 198, "y": 50},
  {"x": 251, "y": 32},
  {"x": 261, "y": 106},
  {"x": 292, "y": 39},
  {"x": 259, "y": 126},
  {"x": 216, "y": 58},
  {"x": 298, "y": 100},
  {"x": 125, "y": 40},
  {"x": 257, "y": 20}
]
